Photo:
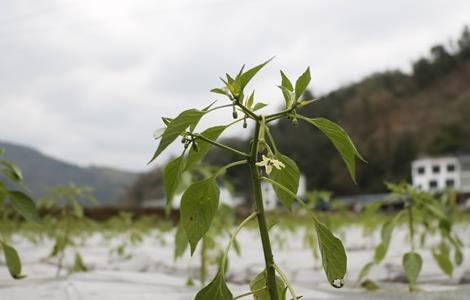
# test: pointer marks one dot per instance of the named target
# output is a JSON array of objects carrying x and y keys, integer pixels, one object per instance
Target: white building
[{"x": 438, "y": 173}]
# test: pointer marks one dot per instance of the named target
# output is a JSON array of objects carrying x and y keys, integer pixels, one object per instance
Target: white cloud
[{"x": 87, "y": 81}]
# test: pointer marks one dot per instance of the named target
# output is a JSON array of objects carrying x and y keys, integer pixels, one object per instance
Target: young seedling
[
  {"x": 21, "y": 203},
  {"x": 68, "y": 200},
  {"x": 200, "y": 201},
  {"x": 423, "y": 211},
  {"x": 210, "y": 251},
  {"x": 129, "y": 235}
]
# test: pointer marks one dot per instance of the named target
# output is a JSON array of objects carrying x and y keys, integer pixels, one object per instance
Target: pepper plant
[
  {"x": 426, "y": 215},
  {"x": 21, "y": 203},
  {"x": 68, "y": 200},
  {"x": 200, "y": 201}
]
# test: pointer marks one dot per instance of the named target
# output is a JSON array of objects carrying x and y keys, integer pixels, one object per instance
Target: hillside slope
[
  {"x": 42, "y": 172},
  {"x": 393, "y": 117}
]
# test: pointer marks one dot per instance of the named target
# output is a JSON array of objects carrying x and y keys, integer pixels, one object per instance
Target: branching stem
[
  {"x": 234, "y": 235},
  {"x": 217, "y": 144},
  {"x": 286, "y": 281},
  {"x": 230, "y": 165},
  {"x": 250, "y": 293},
  {"x": 263, "y": 228}
]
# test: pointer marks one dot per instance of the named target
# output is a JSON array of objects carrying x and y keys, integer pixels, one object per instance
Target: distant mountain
[
  {"x": 393, "y": 118},
  {"x": 42, "y": 172}
]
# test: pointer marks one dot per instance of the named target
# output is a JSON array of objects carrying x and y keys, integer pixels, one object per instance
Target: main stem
[
  {"x": 263, "y": 228},
  {"x": 411, "y": 225}
]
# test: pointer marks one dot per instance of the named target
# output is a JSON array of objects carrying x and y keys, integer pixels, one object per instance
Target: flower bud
[
  {"x": 234, "y": 113},
  {"x": 195, "y": 146},
  {"x": 295, "y": 122}
]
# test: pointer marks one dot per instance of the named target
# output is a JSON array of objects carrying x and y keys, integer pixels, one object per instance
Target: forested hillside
[
  {"x": 42, "y": 172},
  {"x": 393, "y": 117}
]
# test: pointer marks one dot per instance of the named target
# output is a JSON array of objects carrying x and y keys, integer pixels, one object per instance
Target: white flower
[{"x": 269, "y": 163}]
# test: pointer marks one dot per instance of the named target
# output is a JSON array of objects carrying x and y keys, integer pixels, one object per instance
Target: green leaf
[
  {"x": 259, "y": 106},
  {"x": 386, "y": 235},
  {"x": 59, "y": 245},
  {"x": 213, "y": 134},
  {"x": 3, "y": 193},
  {"x": 412, "y": 264},
  {"x": 288, "y": 177},
  {"x": 172, "y": 177},
  {"x": 157, "y": 134},
  {"x": 340, "y": 140},
  {"x": 12, "y": 260},
  {"x": 287, "y": 89},
  {"x": 435, "y": 210},
  {"x": 77, "y": 209},
  {"x": 78, "y": 264},
  {"x": 380, "y": 252},
  {"x": 365, "y": 271},
  {"x": 166, "y": 121},
  {"x": 176, "y": 127},
  {"x": 251, "y": 99},
  {"x": 12, "y": 171},
  {"x": 181, "y": 242},
  {"x": 208, "y": 107},
  {"x": 24, "y": 205},
  {"x": 333, "y": 255},
  {"x": 221, "y": 91},
  {"x": 248, "y": 75},
  {"x": 198, "y": 206},
  {"x": 443, "y": 261},
  {"x": 302, "y": 83},
  {"x": 216, "y": 290},
  {"x": 369, "y": 285},
  {"x": 260, "y": 282},
  {"x": 458, "y": 257},
  {"x": 304, "y": 103},
  {"x": 286, "y": 82},
  {"x": 372, "y": 207},
  {"x": 236, "y": 247}
]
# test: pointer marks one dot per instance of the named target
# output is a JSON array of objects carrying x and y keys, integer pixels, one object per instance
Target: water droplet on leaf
[{"x": 337, "y": 283}]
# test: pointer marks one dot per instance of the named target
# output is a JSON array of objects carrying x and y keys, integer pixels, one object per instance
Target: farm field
[{"x": 147, "y": 269}]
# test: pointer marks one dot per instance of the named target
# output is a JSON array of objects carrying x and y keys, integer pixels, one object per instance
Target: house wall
[{"x": 433, "y": 174}]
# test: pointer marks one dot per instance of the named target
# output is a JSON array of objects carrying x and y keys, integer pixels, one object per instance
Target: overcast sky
[{"x": 87, "y": 81}]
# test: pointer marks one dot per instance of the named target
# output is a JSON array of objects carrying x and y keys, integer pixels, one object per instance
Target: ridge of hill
[{"x": 42, "y": 172}]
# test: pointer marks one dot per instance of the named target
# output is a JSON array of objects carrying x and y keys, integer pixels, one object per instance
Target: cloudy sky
[{"x": 87, "y": 81}]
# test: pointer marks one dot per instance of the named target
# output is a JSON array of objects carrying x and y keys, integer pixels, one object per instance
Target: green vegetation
[
  {"x": 425, "y": 215},
  {"x": 21, "y": 203},
  {"x": 69, "y": 213},
  {"x": 200, "y": 201},
  {"x": 392, "y": 116}
]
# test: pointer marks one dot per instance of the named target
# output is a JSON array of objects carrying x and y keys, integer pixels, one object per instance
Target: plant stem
[
  {"x": 286, "y": 281},
  {"x": 199, "y": 136},
  {"x": 256, "y": 182},
  {"x": 249, "y": 293},
  {"x": 233, "y": 164},
  {"x": 271, "y": 139},
  {"x": 246, "y": 110},
  {"x": 278, "y": 115},
  {"x": 410, "y": 224},
  {"x": 234, "y": 235},
  {"x": 219, "y": 107},
  {"x": 203, "y": 269},
  {"x": 65, "y": 215}
]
